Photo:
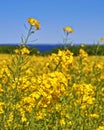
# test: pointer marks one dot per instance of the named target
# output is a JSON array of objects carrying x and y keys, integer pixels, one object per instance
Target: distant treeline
[
  {"x": 10, "y": 49},
  {"x": 90, "y": 49}
]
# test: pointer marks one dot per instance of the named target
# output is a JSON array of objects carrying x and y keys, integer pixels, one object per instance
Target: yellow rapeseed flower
[
  {"x": 100, "y": 128},
  {"x": 17, "y": 51},
  {"x": 94, "y": 115},
  {"x": 101, "y": 39},
  {"x": 23, "y": 118},
  {"x": 62, "y": 122},
  {"x": 1, "y": 107},
  {"x": 31, "y": 21},
  {"x": 34, "y": 22},
  {"x": 82, "y": 53},
  {"x": 1, "y": 89},
  {"x": 25, "y": 50},
  {"x": 68, "y": 29},
  {"x": 37, "y": 25}
]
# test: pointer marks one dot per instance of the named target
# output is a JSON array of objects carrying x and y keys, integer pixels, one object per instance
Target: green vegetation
[
  {"x": 90, "y": 49},
  {"x": 10, "y": 49}
]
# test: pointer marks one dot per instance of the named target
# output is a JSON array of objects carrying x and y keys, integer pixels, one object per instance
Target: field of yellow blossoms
[{"x": 54, "y": 92}]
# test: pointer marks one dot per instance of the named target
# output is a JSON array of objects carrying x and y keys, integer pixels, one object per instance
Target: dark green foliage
[
  {"x": 90, "y": 49},
  {"x": 10, "y": 49},
  {"x": 7, "y": 49}
]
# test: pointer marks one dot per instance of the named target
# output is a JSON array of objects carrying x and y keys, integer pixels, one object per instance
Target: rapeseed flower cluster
[
  {"x": 55, "y": 96},
  {"x": 68, "y": 29},
  {"x": 22, "y": 51},
  {"x": 52, "y": 86},
  {"x": 100, "y": 128},
  {"x": 63, "y": 60},
  {"x": 34, "y": 22},
  {"x": 84, "y": 94},
  {"x": 101, "y": 39}
]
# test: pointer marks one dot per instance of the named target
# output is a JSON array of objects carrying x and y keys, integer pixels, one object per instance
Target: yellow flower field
[
  {"x": 59, "y": 91},
  {"x": 55, "y": 92}
]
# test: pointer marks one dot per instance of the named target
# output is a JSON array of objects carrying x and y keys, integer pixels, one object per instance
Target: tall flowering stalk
[
  {"x": 67, "y": 30},
  {"x": 15, "y": 74},
  {"x": 34, "y": 25}
]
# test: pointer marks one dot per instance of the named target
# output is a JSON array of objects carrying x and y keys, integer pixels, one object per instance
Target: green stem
[
  {"x": 57, "y": 65},
  {"x": 28, "y": 34},
  {"x": 66, "y": 39}
]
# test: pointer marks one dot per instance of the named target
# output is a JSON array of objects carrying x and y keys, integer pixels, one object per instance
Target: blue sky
[{"x": 86, "y": 17}]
